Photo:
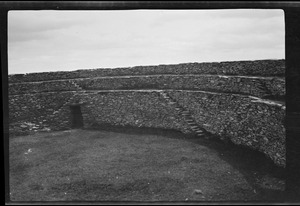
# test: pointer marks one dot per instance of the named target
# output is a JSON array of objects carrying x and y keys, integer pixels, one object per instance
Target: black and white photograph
[{"x": 147, "y": 105}]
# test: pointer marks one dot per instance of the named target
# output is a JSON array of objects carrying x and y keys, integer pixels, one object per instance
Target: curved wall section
[
  {"x": 239, "y": 101},
  {"x": 247, "y": 68}
]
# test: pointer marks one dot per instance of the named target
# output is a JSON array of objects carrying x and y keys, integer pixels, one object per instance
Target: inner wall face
[
  {"x": 239, "y": 95},
  {"x": 248, "y": 110}
]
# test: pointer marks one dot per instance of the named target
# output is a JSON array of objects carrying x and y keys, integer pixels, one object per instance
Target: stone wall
[
  {"x": 244, "y": 120},
  {"x": 256, "y": 86},
  {"x": 251, "y": 68},
  {"x": 260, "y": 87},
  {"x": 130, "y": 108},
  {"x": 39, "y": 87},
  {"x": 124, "y": 108},
  {"x": 233, "y": 107},
  {"x": 38, "y": 111}
]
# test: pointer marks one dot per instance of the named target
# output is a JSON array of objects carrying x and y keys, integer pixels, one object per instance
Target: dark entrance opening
[{"x": 76, "y": 115}]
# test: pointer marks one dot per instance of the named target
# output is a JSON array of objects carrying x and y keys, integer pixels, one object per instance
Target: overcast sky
[{"x": 40, "y": 41}]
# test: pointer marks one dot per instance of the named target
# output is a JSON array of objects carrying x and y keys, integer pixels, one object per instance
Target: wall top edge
[{"x": 158, "y": 65}]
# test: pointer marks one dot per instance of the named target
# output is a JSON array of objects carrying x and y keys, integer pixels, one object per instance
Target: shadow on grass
[{"x": 254, "y": 165}]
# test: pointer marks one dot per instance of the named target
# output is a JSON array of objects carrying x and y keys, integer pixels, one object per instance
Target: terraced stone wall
[
  {"x": 40, "y": 87},
  {"x": 220, "y": 97},
  {"x": 256, "y": 86},
  {"x": 274, "y": 87},
  {"x": 250, "y": 68},
  {"x": 51, "y": 111},
  {"x": 30, "y": 112},
  {"x": 243, "y": 120}
]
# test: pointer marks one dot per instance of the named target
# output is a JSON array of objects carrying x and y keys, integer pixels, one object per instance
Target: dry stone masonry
[
  {"x": 238, "y": 101},
  {"x": 186, "y": 115}
]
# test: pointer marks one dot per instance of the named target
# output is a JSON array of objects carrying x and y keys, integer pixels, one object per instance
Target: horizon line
[{"x": 152, "y": 65}]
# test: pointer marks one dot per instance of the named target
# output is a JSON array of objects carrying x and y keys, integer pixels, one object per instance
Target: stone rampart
[
  {"x": 244, "y": 120},
  {"x": 37, "y": 110},
  {"x": 248, "y": 68},
  {"x": 131, "y": 108},
  {"x": 221, "y": 98},
  {"x": 256, "y": 86}
]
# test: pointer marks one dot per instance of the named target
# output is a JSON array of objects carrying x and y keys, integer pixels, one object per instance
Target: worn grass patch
[{"x": 93, "y": 165}]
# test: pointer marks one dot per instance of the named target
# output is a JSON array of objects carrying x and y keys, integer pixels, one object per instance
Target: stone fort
[{"x": 239, "y": 101}]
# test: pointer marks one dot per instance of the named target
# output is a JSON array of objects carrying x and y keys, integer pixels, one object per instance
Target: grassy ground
[{"x": 137, "y": 165}]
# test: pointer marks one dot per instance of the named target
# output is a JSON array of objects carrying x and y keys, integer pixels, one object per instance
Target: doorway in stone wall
[{"x": 76, "y": 116}]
